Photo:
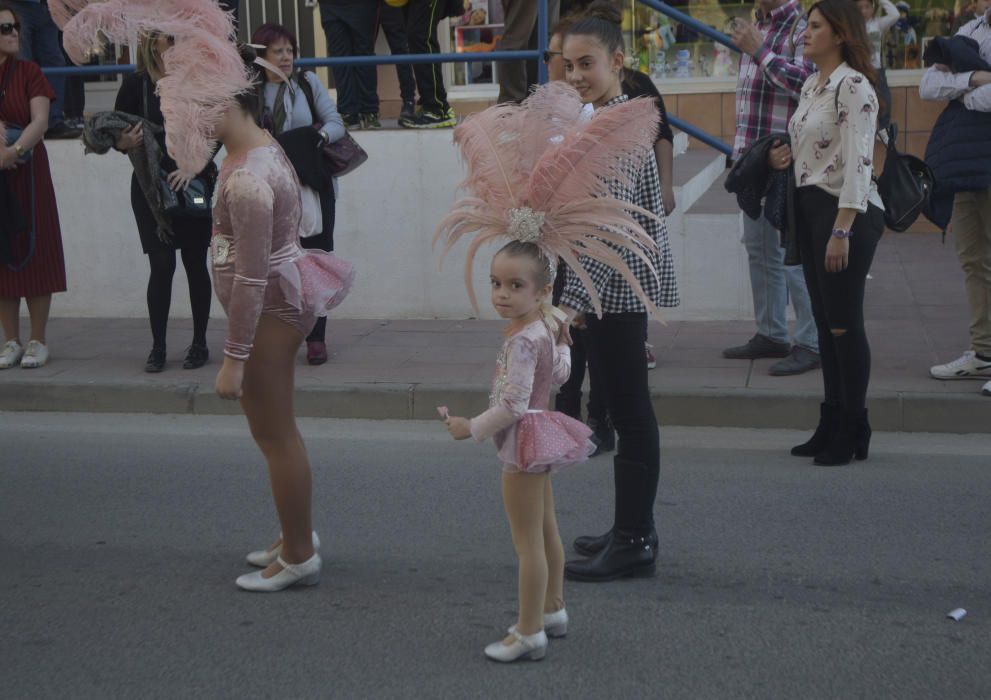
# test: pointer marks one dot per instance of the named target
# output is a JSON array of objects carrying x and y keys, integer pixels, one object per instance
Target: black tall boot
[
  {"x": 852, "y": 439},
  {"x": 631, "y": 547},
  {"x": 823, "y": 434}
]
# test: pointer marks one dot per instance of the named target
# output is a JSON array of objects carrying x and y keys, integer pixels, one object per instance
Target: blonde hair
[{"x": 148, "y": 59}]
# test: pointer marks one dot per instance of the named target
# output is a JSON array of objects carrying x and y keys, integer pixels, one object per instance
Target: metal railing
[{"x": 488, "y": 56}]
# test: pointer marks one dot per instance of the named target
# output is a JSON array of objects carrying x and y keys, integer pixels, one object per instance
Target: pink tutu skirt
[
  {"x": 316, "y": 282},
  {"x": 547, "y": 441}
]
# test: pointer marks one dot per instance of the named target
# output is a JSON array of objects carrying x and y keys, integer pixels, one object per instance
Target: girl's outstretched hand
[{"x": 459, "y": 428}]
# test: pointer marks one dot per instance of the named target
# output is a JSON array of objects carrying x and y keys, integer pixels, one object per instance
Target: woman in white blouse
[
  {"x": 287, "y": 107},
  {"x": 839, "y": 217}
]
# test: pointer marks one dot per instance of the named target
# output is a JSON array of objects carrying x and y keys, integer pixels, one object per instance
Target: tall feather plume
[
  {"x": 203, "y": 69},
  {"x": 542, "y": 156}
]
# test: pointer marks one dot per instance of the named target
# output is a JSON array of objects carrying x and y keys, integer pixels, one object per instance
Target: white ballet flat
[
  {"x": 264, "y": 557},
  {"x": 555, "y": 624},
  {"x": 305, "y": 574},
  {"x": 533, "y": 647}
]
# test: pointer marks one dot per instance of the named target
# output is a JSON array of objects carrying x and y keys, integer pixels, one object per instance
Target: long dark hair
[{"x": 848, "y": 24}]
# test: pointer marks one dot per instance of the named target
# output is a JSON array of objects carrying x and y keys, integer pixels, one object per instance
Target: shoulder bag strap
[{"x": 307, "y": 89}]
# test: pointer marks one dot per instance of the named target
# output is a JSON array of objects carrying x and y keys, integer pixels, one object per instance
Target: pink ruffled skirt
[
  {"x": 313, "y": 284},
  {"x": 545, "y": 441}
]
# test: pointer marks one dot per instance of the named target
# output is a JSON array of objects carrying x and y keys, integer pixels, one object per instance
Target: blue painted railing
[{"x": 542, "y": 37}]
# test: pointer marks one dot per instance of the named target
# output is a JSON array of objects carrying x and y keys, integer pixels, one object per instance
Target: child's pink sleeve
[
  {"x": 513, "y": 395},
  {"x": 562, "y": 364}
]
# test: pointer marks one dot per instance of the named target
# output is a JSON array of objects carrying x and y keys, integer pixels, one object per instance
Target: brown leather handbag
[{"x": 343, "y": 155}]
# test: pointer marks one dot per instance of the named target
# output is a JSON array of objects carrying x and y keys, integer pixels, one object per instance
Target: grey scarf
[{"x": 99, "y": 136}]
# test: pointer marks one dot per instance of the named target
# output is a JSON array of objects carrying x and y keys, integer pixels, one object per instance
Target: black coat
[
  {"x": 753, "y": 181},
  {"x": 959, "y": 149}
]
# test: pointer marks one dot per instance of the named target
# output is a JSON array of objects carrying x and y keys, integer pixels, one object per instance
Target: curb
[{"x": 750, "y": 408}]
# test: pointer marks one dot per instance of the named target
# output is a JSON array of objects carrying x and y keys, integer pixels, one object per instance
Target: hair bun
[
  {"x": 606, "y": 11},
  {"x": 248, "y": 53}
]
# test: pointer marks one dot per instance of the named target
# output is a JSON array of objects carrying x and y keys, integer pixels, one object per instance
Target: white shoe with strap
[
  {"x": 264, "y": 557},
  {"x": 305, "y": 574},
  {"x": 555, "y": 624},
  {"x": 531, "y": 646}
]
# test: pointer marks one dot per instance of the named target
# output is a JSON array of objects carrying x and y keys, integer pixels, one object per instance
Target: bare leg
[
  {"x": 554, "y": 552},
  {"x": 39, "y": 308},
  {"x": 10, "y": 310},
  {"x": 523, "y": 498},
  {"x": 268, "y": 404}
]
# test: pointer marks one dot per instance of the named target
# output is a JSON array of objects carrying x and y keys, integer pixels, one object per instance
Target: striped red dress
[{"x": 45, "y": 272}]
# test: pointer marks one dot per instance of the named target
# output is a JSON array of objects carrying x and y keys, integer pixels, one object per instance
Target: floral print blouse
[{"x": 832, "y": 138}]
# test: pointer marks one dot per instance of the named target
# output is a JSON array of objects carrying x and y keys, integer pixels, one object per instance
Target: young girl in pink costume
[
  {"x": 272, "y": 290},
  {"x": 538, "y": 174}
]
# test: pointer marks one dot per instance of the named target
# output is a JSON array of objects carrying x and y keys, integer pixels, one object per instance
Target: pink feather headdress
[
  {"x": 203, "y": 69},
  {"x": 539, "y": 173}
]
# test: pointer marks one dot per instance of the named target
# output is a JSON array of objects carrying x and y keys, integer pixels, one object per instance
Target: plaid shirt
[
  {"x": 770, "y": 83},
  {"x": 615, "y": 294}
]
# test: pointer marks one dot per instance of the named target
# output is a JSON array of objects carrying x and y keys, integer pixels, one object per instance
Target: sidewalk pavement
[{"x": 396, "y": 369}]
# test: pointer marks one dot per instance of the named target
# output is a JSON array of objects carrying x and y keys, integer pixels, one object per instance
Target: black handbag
[
  {"x": 905, "y": 186},
  {"x": 345, "y": 154},
  {"x": 194, "y": 200}
]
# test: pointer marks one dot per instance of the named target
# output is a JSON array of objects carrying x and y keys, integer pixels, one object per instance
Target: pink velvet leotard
[
  {"x": 529, "y": 437},
  {"x": 258, "y": 265}
]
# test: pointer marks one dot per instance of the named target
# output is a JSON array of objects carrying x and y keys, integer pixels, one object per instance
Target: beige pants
[
  {"x": 971, "y": 227},
  {"x": 521, "y": 26}
]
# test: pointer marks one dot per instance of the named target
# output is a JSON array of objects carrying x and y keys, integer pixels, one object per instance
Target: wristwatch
[
  {"x": 840, "y": 233},
  {"x": 19, "y": 150}
]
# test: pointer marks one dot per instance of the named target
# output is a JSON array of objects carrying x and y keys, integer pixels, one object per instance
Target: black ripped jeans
[{"x": 838, "y": 297}]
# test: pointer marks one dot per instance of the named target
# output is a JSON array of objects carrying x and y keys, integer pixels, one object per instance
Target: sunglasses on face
[
  {"x": 8, "y": 28},
  {"x": 549, "y": 55}
]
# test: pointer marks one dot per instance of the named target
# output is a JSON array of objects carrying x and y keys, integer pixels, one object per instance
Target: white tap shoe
[
  {"x": 305, "y": 574},
  {"x": 532, "y": 646},
  {"x": 555, "y": 624},
  {"x": 264, "y": 557}
]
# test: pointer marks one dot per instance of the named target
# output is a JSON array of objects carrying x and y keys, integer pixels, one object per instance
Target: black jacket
[
  {"x": 753, "y": 181},
  {"x": 959, "y": 149}
]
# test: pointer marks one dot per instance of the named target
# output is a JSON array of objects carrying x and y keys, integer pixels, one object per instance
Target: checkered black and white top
[{"x": 615, "y": 293}]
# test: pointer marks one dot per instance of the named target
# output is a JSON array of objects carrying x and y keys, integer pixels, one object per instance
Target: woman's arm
[
  {"x": 664, "y": 153},
  {"x": 32, "y": 134},
  {"x": 333, "y": 125},
  {"x": 857, "y": 134},
  {"x": 890, "y": 17}
]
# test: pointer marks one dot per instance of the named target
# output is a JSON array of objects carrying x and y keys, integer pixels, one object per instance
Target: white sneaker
[
  {"x": 986, "y": 389},
  {"x": 264, "y": 557},
  {"x": 305, "y": 574},
  {"x": 533, "y": 647},
  {"x": 11, "y": 354},
  {"x": 35, "y": 355},
  {"x": 967, "y": 366}
]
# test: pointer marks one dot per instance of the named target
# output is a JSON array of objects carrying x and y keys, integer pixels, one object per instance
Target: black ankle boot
[
  {"x": 590, "y": 545},
  {"x": 156, "y": 361},
  {"x": 603, "y": 435},
  {"x": 822, "y": 436},
  {"x": 196, "y": 357},
  {"x": 629, "y": 549},
  {"x": 852, "y": 439},
  {"x": 625, "y": 555}
]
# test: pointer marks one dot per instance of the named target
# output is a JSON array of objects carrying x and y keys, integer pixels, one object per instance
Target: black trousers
[
  {"x": 422, "y": 17},
  {"x": 392, "y": 21},
  {"x": 350, "y": 29},
  {"x": 323, "y": 241},
  {"x": 616, "y": 344},
  {"x": 569, "y": 396},
  {"x": 838, "y": 297}
]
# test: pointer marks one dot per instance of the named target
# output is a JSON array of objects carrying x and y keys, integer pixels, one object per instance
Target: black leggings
[
  {"x": 615, "y": 346},
  {"x": 838, "y": 297},
  {"x": 163, "y": 264}
]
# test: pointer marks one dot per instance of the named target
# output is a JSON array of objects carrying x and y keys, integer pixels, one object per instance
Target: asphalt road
[{"x": 121, "y": 537}]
